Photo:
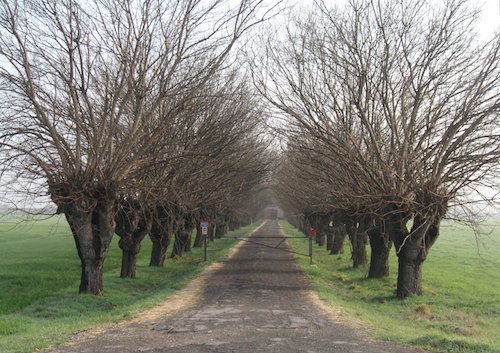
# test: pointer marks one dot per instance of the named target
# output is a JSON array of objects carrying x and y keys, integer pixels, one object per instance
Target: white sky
[
  {"x": 488, "y": 23},
  {"x": 490, "y": 17}
]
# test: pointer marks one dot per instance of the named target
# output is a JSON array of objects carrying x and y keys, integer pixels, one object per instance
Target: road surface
[{"x": 256, "y": 301}]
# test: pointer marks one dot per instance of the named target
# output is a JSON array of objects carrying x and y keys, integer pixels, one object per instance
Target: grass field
[
  {"x": 459, "y": 311},
  {"x": 39, "y": 278}
]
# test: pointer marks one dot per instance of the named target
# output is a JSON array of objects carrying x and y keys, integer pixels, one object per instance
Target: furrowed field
[
  {"x": 460, "y": 308},
  {"x": 39, "y": 277}
]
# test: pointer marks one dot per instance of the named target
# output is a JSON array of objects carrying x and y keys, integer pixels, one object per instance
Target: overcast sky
[
  {"x": 488, "y": 24},
  {"x": 490, "y": 19}
]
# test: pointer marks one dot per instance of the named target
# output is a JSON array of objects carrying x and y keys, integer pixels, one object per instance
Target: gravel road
[{"x": 256, "y": 301}]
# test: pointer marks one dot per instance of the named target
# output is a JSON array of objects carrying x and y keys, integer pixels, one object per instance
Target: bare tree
[
  {"x": 81, "y": 87},
  {"x": 401, "y": 108},
  {"x": 216, "y": 155},
  {"x": 133, "y": 222}
]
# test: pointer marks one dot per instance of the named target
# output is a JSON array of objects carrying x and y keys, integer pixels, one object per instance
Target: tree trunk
[
  {"x": 161, "y": 235},
  {"x": 133, "y": 223},
  {"x": 358, "y": 237},
  {"x": 339, "y": 234},
  {"x": 92, "y": 231},
  {"x": 329, "y": 240},
  {"x": 180, "y": 243},
  {"x": 323, "y": 223},
  {"x": 189, "y": 235},
  {"x": 129, "y": 256},
  {"x": 409, "y": 276},
  {"x": 198, "y": 240},
  {"x": 410, "y": 259},
  {"x": 129, "y": 260},
  {"x": 380, "y": 245},
  {"x": 91, "y": 276},
  {"x": 304, "y": 225},
  {"x": 321, "y": 238},
  {"x": 131, "y": 247},
  {"x": 158, "y": 254},
  {"x": 412, "y": 249},
  {"x": 211, "y": 232},
  {"x": 359, "y": 256},
  {"x": 220, "y": 230}
]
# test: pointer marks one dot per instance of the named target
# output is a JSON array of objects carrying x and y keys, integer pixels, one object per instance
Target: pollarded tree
[
  {"x": 229, "y": 170},
  {"x": 310, "y": 179},
  {"x": 408, "y": 104},
  {"x": 80, "y": 85},
  {"x": 214, "y": 144},
  {"x": 428, "y": 98},
  {"x": 133, "y": 222}
]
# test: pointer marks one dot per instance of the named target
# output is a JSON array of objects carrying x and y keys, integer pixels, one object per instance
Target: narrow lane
[{"x": 256, "y": 301}]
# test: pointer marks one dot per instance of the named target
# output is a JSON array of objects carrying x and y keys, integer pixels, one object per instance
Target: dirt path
[{"x": 256, "y": 301}]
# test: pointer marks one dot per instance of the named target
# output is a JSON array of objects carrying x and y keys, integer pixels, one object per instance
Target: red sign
[{"x": 312, "y": 232}]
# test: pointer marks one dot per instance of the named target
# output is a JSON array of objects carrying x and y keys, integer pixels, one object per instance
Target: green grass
[
  {"x": 459, "y": 311},
  {"x": 39, "y": 278}
]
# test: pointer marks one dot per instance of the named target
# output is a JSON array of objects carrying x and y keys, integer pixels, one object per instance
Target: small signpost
[{"x": 204, "y": 225}]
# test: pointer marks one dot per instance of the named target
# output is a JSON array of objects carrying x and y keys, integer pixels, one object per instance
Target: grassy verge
[
  {"x": 39, "y": 276},
  {"x": 459, "y": 311}
]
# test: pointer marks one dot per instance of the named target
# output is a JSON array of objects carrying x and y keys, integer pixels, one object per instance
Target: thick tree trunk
[
  {"x": 131, "y": 247},
  {"x": 211, "y": 232},
  {"x": 410, "y": 259},
  {"x": 161, "y": 235},
  {"x": 158, "y": 254},
  {"x": 189, "y": 235},
  {"x": 339, "y": 234},
  {"x": 409, "y": 277},
  {"x": 329, "y": 240},
  {"x": 91, "y": 276},
  {"x": 323, "y": 223},
  {"x": 320, "y": 239},
  {"x": 304, "y": 226},
  {"x": 198, "y": 240},
  {"x": 133, "y": 224},
  {"x": 380, "y": 249},
  {"x": 359, "y": 256},
  {"x": 129, "y": 261},
  {"x": 220, "y": 230},
  {"x": 92, "y": 231},
  {"x": 412, "y": 248},
  {"x": 182, "y": 242},
  {"x": 358, "y": 237}
]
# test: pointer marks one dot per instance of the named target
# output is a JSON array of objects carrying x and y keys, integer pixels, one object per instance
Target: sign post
[{"x": 204, "y": 233}]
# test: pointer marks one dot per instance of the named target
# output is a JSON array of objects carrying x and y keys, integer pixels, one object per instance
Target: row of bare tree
[
  {"x": 129, "y": 116},
  {"x": 390, "y": 119}
]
